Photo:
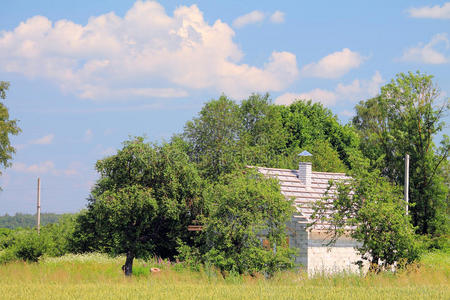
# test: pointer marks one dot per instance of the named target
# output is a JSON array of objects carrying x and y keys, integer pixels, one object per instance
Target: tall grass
[{"x": 97, "y": 276}]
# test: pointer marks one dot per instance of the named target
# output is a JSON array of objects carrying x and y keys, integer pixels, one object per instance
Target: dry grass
[{"x": 97, "y": 276}]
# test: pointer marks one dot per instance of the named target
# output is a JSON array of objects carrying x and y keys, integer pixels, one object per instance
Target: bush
[
  {"x": 244, "y": 208},
  {"x": 7, "y": 256},
  {"x": 56, "y": 237},
  {"x": 28, "y": 246},
  {"x": 5, "y": 238}
]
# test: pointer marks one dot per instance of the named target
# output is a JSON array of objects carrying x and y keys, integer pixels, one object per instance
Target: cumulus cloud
[
  {"x": 428, "y": 54},
  {"x": 41, "y": 168},
  {"x": 334, "y": 65},
  {"x": 46, "y": 167},
  {"x": 431, "y": 12},
  {"x": 45, "y": 140},
  {"x": 145, "y": 53},
  {"x": 277, "y": 17},
  {"x": 355, "y": 91},
  {"x": 325, "y": 97},
  {"x": 253, "y": 17}
]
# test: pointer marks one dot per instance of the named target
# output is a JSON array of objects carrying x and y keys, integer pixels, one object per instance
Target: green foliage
[
  {"x": 307, "y": 123},
  {"x": 5, "y": 238},
  {"x": 227, "y": 136},
  {"x": 56, "y": 236},
  {"x": 325, "y": 158},
  {"x": 142, "y": 203},
  {"x": 244, "y": 209},
  {"x": 7, "y": 127},
  {"x": 28, "y": 245},
  {"x": 28, "y": 220},
  {"x": 371, "y": 210},
  {"x": 405, "y": 118},
  {"x": 214, "y": 137}
]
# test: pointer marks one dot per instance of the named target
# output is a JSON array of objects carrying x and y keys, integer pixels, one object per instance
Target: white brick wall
[{"x": 305, "y": 173}]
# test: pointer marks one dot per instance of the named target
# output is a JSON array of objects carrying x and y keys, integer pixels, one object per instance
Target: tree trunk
[{"x": 128, "y": 266}]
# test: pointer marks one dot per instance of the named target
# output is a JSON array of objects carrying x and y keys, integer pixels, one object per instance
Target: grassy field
[{"x": 97, "y": 276}]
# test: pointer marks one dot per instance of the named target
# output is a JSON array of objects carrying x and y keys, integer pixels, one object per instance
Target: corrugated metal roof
[{"x": 293, "y": 187}]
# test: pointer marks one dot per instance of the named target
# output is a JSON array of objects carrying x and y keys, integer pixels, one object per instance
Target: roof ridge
[{"x": 296, "y": 170}]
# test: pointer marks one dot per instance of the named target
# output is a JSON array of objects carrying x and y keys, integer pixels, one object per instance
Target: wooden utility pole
[
  {"x": 406, "y": 181},
  {"x": 38, "y": 213}
]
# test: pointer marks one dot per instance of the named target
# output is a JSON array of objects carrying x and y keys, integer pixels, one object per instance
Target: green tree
[
  {"x": 325, "y": 158},
  {"x": 227, "y": 136},
  {"x": 124, "y": 217},
  {"x": 244, "y": 210},
  {"x": 371, "y": 210},
  {"x": 158, "y": 185},
  {"x": 214, "y": 137},
  {"x": 306, "y": 123},
  {"x": 263, "y": 136},
  {"x": 405, "y": 119},
  {"x": 7, "y": 127}
]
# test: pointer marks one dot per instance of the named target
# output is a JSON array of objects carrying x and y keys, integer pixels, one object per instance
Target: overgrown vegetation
[
  {"x": 372, "y": 211},
  {"x": 93, "y": 276},
  {"x": 148, "y": 193}
]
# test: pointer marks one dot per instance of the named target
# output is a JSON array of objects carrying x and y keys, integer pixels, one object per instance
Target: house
[{"x": 306, "y": 187}]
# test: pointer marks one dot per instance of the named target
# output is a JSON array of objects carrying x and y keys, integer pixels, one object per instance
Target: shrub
[
  {"x": 244, "y": 208},
  {"x": 28, "y": 246}
]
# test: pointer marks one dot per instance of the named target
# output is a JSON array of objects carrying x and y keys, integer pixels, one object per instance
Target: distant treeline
[{"x": 27, "y": 220}]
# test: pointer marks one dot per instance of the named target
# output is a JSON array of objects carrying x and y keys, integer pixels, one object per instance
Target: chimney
[
  {"x": 305, "y": 170},
  {"x": 304, "y": 173}
]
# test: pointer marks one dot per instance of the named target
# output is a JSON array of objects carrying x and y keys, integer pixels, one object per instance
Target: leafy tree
[
  {"x": 214, "y": 137},
  {"x": 7, "y": 127},
  {"x": 227, "y": 136},
  {"x": 306, "y": 123},
  {"x": 370, "y": 210},
  {"x": 150, "y": 192},
  {"x": 405, "y": 118},
  {"x": 263, "y": 136},
  {"x": 124, "y": 218},
  {"x": 244, "y": 209},
  {"x": 325, "y": 158}
]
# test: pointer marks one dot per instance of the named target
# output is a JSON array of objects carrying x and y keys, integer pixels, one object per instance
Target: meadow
[{"x": 97, "y": 276}]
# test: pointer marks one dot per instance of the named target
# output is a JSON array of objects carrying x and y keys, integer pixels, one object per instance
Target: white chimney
[{"x": 304, "y": 173}]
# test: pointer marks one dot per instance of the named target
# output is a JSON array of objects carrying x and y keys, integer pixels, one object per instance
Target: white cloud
[
  {"x": 45, "y": 140},
  {"x": 427, "y": 53},
  {"x": 253, "y": 17},
  {"x": 360, "y": 89},
  {"x": 355, "y": 91},
  {"x": 334, "y": 65},
  {"x": 46, "y": 167},
  {"x": 41, "y": 168},
  {"x": 317, "y": 95},
  {"x": 277, "y": 17},
  {"x": 432, "y": 12},
  {"x": 146, "y": 53}
]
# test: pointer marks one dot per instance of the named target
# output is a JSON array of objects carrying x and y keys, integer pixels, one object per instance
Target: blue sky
[{"x": 86, "y": 75}]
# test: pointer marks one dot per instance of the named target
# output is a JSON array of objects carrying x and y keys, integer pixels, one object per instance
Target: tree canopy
[
  {"x": 404, "y": 119},
  {"x": 245, "y": 228},
  {"x": 226, "y": 136},
  {"x": 371, "y": 210},
  {"x": 146, "y": 196},
  {"x": 8, "y": 127}
]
